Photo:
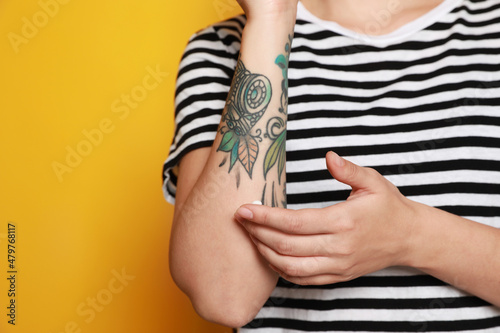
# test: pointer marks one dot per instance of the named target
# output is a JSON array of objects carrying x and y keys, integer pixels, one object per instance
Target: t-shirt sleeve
[{"x": 203, "y": 82}]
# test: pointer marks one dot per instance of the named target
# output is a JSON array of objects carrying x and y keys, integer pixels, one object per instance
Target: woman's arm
[
  {"x": 461, "y": 252},
  {"x": 212, "y": 259}
]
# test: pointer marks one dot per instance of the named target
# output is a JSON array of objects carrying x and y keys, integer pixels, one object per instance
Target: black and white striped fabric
[{"x": 420, "y": 105}]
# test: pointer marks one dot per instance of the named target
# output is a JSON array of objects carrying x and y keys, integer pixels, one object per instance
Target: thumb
[{"x": 351, "y": 174}]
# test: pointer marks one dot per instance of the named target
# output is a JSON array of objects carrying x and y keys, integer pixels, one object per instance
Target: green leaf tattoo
[
  {"x": 246, "y": 104},
  {"x": 248, "y": 99},
  {"x": 234, "y": 154},
  {"x": 228, "y": 141},
  {"x": 277, "y": 150}
]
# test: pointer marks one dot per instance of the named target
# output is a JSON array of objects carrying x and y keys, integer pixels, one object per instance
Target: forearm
[
  {"x": 461, "y": 252},
  {"x": 212, "y": 259}
]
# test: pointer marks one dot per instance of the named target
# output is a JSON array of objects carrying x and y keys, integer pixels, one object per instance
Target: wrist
[
  {"x": 424, "y": 241},
  {"x": 270, "y": 39},
  {"x": 268, "y": 34},
  {"x": 283, "y": 18},
  {"x": 416, "y": 237}
]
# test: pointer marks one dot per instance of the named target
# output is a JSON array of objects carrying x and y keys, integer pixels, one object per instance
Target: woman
[{"x": 408, "y": 91}]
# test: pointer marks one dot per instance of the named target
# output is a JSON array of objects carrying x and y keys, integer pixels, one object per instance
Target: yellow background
[{"x": 106, "y": 213}]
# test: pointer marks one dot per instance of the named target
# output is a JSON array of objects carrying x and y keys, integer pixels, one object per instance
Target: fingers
[
  {"x": 298, "y": 222},
  {"x": 291, "y": 245},
  {"x": 302, "y": 259},
  {"x": 321, "y": 279},
  {"x": 290, "y": 265},
  {"x": 306, "y": 270},
  {"x": 317, "y": 280},
  {"x": 351, "y": 174}
]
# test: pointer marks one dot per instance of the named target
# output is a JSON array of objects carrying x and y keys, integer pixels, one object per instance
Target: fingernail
[
  {"x": 245, "y": 213},
  {"x": 257, "y": 202}
]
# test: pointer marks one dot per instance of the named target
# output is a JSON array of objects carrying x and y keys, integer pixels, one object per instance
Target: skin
[
  {"x": 253, "y": 245},
  {"x": 358, "y": 15}
]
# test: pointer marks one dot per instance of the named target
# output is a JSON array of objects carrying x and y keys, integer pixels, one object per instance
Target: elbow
[
  {"x": 220, "y": 304},
  {"x": 224, "y": 311},
  {"x": 223, "y": 296}
]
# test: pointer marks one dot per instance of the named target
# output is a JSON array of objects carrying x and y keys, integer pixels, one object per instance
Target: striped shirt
[{"x": 420, "y": 105}]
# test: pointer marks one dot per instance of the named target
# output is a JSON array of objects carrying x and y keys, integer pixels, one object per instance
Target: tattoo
[
  {"x": 282, "y": 61},
  {"x": 248, "y": 99},
  {"x": 277, "y": 150},
  {"x": 273, "y": 201},
  {"x": 238, "y": 179},
  {"x": 247, "y": 102},
  {"x": 263, "y": 200}
]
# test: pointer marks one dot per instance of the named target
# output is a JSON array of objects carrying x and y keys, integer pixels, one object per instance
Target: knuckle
[
  {"x": 352, "y": 172},
  {"x": 347, "y": 224},
  {"x": 284, "y": 246},
  {"x": 394, "y": 189},
  {"x": 290, "y": 270},
  {"x": 302, "y": 281},
  {"x": 266, "y": 217},
  {"x": 312, "y": 266},
  {"x": 251, "y": 228},
  {"x": 345, "y": 268},
  {"x": 346, "y": 249},
  {"x": 330, "y": 250},
  {"x": 374, "y": 175},
  {"x": 381, "y": 180},
  {"x": 294, "y": 222},
  {"x": 325, "y": 246},
  {"x": 372, "y": 172}
]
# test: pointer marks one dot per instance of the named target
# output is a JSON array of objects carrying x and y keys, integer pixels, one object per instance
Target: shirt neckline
[{"x": 399, "y": 34}]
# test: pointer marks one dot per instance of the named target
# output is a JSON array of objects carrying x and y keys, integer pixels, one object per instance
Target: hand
[
  {"x": 370, "y": 231},
  {"x": 268, "y": 8}
]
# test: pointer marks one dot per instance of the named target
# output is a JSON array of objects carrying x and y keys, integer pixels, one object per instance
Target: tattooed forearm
[
  {"x": 245, "y": 124},
  {"x": 247, "y": 101}
]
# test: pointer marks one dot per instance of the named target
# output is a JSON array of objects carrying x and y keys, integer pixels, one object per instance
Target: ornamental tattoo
[
  {"x": 248, "y": 99},
  {"x": 276, "y": 128}
]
